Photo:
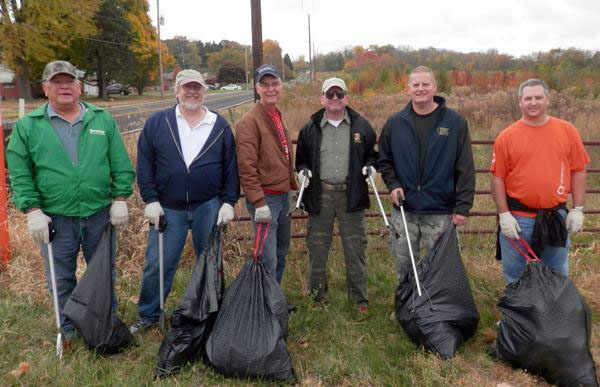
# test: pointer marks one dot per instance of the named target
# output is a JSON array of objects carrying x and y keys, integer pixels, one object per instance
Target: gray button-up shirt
[
  {"x": 335, "y": 150},
  {"x": 67, "y": 132}
]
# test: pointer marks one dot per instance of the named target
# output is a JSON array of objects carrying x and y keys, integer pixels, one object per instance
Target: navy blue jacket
[
  {"x": 447, "y": 183},
  {"x": 163, "y": 175}
]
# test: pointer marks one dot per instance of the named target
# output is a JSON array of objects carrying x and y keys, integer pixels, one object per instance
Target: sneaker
[
  {"x": 141, "y": 325},
  {"x": 291, "y": 308},
  {"x": 363, "y": 309},
  {"x": 393, "y": 316}
]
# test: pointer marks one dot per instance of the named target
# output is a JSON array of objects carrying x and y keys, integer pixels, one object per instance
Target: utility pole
[
  {"x": 160, "y": 66},
  {"x": 246, "y": 63},
  {"x": 310, "y": 74},
  {"x": 282, "y": 67},
  {"x": 257, "y": 51}
]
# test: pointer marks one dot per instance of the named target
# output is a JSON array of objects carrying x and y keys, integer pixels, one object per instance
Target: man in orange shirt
[{"x": 537, "y": 161}]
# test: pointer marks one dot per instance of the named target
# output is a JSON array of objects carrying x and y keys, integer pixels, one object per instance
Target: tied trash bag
[
  {"x": 248, "y": 339},
  {"x": 90, "y": 306},
  {"x": 545, "y": 326},
  {"x": 193, "y": 319},
  {"x": 444, "y": 316}
]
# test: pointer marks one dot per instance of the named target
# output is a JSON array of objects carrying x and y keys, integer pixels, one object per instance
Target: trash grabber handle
[
  {"x": 162, "y": 224},
  {"x": 385, "y": 219},
  {"x": 528, "y": 253},
  {"x": 412, "y": 256},
  {"x": 52, "y": 233},
  {"x": 301, "y": 193},
  {"x": 258, "y": 253}
]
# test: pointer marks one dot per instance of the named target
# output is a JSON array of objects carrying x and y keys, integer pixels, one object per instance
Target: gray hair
[
  {"x": 532, "y": 82},
  {"x": 422, "y": 69}
]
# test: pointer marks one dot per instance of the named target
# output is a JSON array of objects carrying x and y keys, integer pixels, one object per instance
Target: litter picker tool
[
  {"x": 299, "y": 205},
  {"x": 59, "y": 336},
  {"x": 160, "y": 227},
  {"x": 395, "y": 232}
]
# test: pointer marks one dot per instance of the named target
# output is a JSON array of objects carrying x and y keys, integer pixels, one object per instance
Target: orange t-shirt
[{"x": 536, "y": 162}]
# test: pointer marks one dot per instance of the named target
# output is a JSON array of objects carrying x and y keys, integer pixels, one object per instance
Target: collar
[
  {"x": 52, "y": 113},
  {"x": 209, "y": 117},
  {"x": 325, "y": 120}
]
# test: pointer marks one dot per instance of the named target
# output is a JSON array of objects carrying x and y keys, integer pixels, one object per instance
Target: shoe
[
  {"x": 141, "y": 325},
  {"x": 393, "y": 316},
  {"x": 362, "y": 309}
]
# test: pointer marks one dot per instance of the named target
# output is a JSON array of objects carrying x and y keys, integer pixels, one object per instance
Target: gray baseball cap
[
  {"x": 58, "y": 67},
  {"x": 266, "y": 69}
]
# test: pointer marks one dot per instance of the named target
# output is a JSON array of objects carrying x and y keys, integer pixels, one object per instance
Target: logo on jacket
[
  {"x": 443, "y": 131},
  {"x": 357, "y": 139},
  {"x": 97, "y": 132}
]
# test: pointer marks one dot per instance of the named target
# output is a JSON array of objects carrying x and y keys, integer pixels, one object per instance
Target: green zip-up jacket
[{"x": 43, "y": 176}]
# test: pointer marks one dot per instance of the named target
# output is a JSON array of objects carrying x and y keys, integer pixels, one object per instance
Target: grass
[{"x": 330, "y": 344}]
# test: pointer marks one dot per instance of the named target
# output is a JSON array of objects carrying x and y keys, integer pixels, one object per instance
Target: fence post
[{"x": 4, "y": 241}]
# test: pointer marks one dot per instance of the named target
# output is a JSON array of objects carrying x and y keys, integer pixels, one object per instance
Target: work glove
[
  {"x": 307, "y": 173},
  {"x": 575, "y": 220},
  {"x": 368, "y": 170},
  {"x": 118, "y": 213},
  {"x": 509, "y": 225},
  {"x": 262, "y": 215},
  {"x": 226, "y": 214},
  {"x": 37, "y": 222},
  {"x": 153, "y": 212}
]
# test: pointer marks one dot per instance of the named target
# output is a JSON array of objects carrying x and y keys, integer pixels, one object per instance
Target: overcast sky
[{"x": 515, "y": 27}]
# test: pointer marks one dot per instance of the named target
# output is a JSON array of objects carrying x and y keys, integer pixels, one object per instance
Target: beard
[{"x": 191, "y": 105}]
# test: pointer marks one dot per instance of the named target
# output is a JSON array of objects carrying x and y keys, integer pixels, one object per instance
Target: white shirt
[{"x": 193, "y": 139}]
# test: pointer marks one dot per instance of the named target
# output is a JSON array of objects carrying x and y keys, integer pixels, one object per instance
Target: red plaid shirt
[{"x": 276, "y": 118}]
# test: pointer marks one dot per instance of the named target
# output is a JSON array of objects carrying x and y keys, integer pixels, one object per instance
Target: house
[{"x": 8, "y": 86}]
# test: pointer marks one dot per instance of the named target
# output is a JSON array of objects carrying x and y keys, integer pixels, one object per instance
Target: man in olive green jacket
[{"x": 68, "y": 166}]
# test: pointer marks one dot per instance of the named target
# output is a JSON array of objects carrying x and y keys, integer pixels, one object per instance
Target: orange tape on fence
[{"x": 4, "y": 243}]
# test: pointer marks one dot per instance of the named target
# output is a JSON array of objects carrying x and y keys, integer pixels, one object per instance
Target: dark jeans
[
  {"x": 73, "y": 234},
  {"x": 200, "y": 221},
  {"x": 277, "y": 244}
]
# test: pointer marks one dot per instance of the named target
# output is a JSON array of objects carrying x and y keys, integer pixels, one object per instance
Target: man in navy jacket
[
  {"x": 187, "y": 171},
  {"x": 426, "y": 161}
]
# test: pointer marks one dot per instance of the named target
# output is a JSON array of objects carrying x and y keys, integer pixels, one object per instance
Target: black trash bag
[
  {"x": 545, "y": 328},
  {"x": 193, "y": 319},
  {"x": 248, "y": 339},
  {"x": 445, "y": 315},
  {"x": 90, "y": 305}
]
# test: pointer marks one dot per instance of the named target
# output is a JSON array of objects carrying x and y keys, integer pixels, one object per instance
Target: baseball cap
[
  {"x": 266, "y": 69},
  {"x": 188, "y": 75},
  {"x": 58, "y": 67},
  {"x": 331, "y": 82}
]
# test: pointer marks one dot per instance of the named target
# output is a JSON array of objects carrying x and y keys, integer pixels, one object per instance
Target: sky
[{"x": 515, "y": 27}]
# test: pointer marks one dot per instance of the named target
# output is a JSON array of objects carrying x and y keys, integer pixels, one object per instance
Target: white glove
[
  {"x": 118, "y": 213},
  {"x": 575, "y": 220},
  {"x": 226, "y": 214},
  {"x": 153, "y": 212},
  {"x": 37, "y": 222},
  {"x": 262, "y": 215},
  {"x": 509, "y": 225},
  {"x": 368, "y": 170},
  {"x": 307, "y": 173}
]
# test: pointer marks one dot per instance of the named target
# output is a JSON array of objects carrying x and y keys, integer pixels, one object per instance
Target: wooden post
[
  {"x": 4, "y": 240},
  {"x": 257, "y": 51}
]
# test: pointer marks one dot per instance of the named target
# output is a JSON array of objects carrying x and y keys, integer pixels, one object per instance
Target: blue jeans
[
  {"x": 201, "y": 221},
  {"x": 73, "y": 234},
  {"x": 513, "y": 263},
  {"x": 277, "y": 244}
]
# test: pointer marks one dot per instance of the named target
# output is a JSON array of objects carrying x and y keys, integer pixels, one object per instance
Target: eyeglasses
[
  {"x": 267, "y": 85},
  {"x": 330, "y": 93}
]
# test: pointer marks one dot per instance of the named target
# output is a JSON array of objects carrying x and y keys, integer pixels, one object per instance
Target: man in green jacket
[{"x": 68, "y": 166}]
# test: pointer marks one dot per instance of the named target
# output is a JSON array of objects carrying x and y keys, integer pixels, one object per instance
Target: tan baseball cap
[
  {"x": 331, "y": 82},
  {"x": 188, "y": 75},
  {"x": 58, "y": 67}
]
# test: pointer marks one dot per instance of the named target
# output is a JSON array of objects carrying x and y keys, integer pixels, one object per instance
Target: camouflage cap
[{"x": 58, "y": 67}]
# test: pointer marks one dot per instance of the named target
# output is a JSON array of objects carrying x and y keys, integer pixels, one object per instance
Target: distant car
[
  {"x": 117, "y": 88},
  {"x": 231, "y": 87},
  {"x": 211, "y": 87}
]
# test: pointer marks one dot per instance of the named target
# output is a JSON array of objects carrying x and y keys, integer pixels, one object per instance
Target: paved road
[{"x": 132, "y": 116}]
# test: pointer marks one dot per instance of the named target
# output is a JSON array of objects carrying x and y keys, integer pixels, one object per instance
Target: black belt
[{"x": 333, "y": 187}]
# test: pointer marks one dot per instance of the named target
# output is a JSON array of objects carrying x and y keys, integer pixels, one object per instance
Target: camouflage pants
[
  {"x": 354, "y": 242},
  {"x": 424, "y": 230}
]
